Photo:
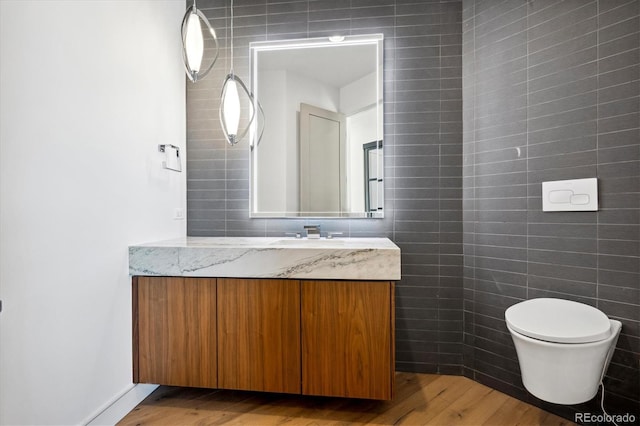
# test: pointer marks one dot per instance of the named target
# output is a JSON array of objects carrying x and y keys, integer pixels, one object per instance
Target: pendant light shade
[
  {"x": 230, "y": 104},
  {"x": 230, "y": 109},
  {"x": 193, "y": 43}
]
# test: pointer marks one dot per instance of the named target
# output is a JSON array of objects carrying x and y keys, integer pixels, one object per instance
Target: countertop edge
[{"x": 266, "y": 260}]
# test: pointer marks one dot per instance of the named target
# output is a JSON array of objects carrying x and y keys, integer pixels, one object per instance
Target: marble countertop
[{"x": 268, "y": 257}]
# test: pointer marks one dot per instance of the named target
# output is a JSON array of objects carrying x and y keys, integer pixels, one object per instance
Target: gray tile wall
[
  {"x": 550, "y": 91},
  {"x": 423, "y": 153}
]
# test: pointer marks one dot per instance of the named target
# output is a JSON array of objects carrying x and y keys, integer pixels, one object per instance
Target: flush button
[
  {"x": 560, "y": 196},
  {"x": 570, "y": 195},
  {"x": 580, "y": 199}
]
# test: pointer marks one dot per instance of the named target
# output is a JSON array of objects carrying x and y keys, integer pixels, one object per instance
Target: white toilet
[{"x": 564, "y": 347}]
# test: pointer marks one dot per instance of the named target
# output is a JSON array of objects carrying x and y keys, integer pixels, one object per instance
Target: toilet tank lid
[{"x": 558, "y": 320}]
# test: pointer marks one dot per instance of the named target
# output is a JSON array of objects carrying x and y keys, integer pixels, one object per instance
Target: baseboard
[{"x": 120, "y": 405}]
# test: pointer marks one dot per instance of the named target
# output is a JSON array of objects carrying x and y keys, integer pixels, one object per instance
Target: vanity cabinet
[
  {"x": 259, "y": 335},
  {"x": 174, "y": 331},
  {"x": 315, "y": 337},
  {"x": 347, "y": 339}
]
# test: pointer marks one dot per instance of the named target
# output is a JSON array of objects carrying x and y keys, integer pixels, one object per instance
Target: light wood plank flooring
[{"x": 421, "y": 399}]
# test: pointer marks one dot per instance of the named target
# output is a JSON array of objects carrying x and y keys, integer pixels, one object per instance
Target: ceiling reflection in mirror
[{"x": 321, "y": 151}]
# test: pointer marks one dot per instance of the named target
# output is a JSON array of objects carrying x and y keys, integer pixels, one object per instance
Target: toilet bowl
[{"x": 563, "y": 347}]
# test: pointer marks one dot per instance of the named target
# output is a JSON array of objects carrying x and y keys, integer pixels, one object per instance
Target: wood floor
[{"x": 421, "y": 399}]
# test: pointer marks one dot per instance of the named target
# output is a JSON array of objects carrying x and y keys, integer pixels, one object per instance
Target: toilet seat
[{"x": 558, "y": 321}]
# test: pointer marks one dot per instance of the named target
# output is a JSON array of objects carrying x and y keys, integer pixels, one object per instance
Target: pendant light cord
[{"x": 231, "y": 37}]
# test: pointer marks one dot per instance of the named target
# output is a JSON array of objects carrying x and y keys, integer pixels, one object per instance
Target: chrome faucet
[{"x": 313, "y": 231}]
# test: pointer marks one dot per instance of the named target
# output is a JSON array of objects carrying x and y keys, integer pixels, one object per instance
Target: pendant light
[
  {"x": 193, "y": 43},
  {"x": 230, "y": 109}
]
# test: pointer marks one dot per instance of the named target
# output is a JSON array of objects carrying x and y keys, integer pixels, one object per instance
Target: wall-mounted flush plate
[{"x": 570, "y": 195}]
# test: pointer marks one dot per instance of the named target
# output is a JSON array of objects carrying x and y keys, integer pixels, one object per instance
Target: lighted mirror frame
[{"x": 256, "y": 48}]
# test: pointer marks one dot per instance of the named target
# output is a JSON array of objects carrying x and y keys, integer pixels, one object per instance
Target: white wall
[
  {"x": 357, "y": 95},
  {"x": 88, "y": 89},
  {"x": 271, "y": 170}
]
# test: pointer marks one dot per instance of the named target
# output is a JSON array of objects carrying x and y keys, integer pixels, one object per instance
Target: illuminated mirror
[{"x": 321, "y": 153}]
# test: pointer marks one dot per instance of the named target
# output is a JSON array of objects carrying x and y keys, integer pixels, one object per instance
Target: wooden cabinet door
[
  {"x": 259, "y": 335},
  {"x": 347, "y": 339},
  {"x": 175, "y": 331}
]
